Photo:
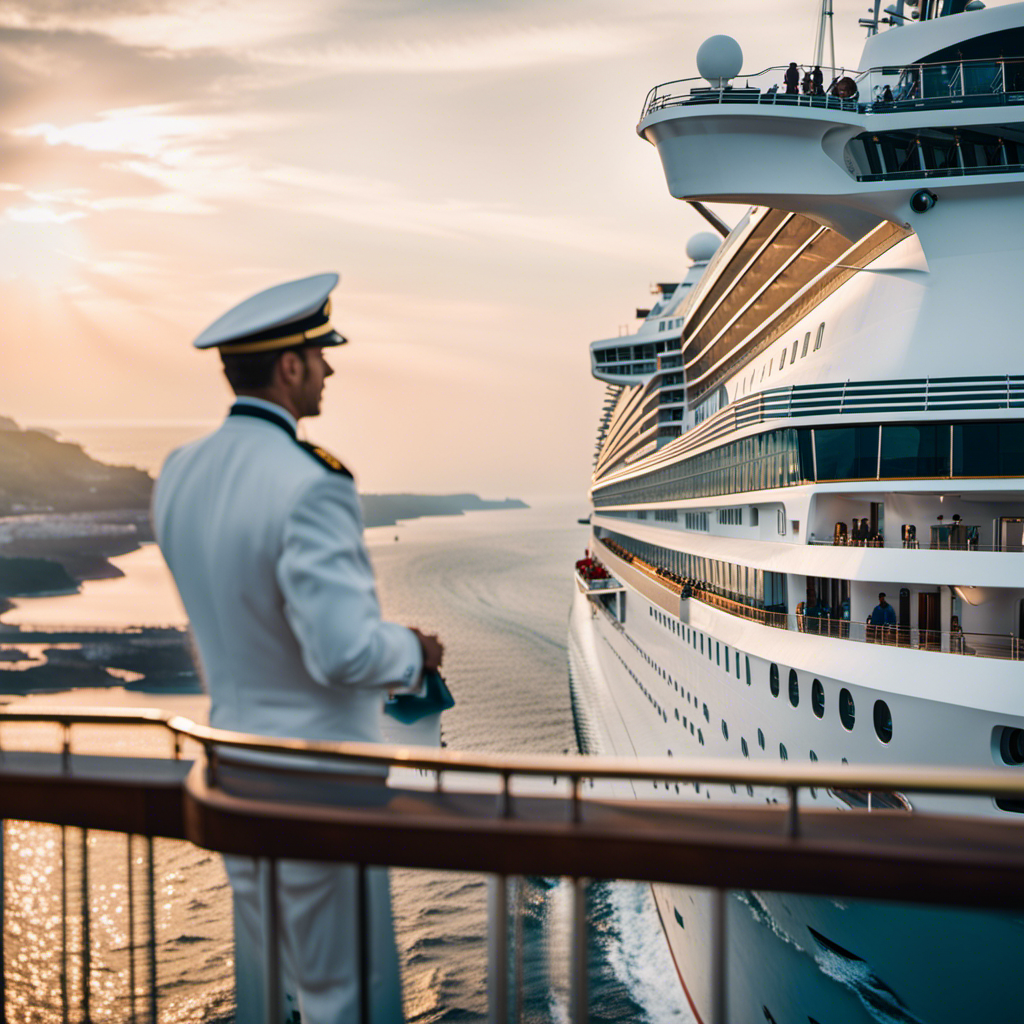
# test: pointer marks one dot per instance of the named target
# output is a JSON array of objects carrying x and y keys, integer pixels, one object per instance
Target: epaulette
[{"x": 325, "y": 458}]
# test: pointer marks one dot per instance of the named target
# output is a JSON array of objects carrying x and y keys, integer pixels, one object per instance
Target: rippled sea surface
[{"x": 496, "y": 587}]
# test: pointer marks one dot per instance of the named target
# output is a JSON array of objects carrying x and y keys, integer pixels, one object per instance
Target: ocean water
[{"x": 496, "y": 587}]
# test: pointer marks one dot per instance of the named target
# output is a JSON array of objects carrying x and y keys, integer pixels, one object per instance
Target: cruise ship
[{"x": 826, "y": 408}]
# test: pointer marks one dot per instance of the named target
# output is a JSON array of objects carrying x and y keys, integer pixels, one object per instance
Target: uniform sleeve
[{"x": 330, "y": 597}]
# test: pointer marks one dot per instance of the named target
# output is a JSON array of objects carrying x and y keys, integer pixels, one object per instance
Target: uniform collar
[{"x": 260, "y": 408}]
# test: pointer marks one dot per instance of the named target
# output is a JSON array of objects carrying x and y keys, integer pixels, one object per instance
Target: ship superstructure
[{"x": 828, "y": 407}]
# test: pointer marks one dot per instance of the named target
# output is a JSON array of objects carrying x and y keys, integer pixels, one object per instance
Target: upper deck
[{"x": 850, "y": 149}]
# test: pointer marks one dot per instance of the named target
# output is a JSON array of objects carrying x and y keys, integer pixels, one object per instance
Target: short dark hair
[{"x": 254, "y": 370}]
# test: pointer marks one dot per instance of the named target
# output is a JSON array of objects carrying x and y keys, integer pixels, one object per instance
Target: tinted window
[
  {"x": 846, "y": 453},
  {"x": 988, "y": 449},
  {"x": 920, "y": 449}
]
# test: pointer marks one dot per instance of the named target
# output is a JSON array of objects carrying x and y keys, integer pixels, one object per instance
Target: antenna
[{"x": 825, "y": 33}]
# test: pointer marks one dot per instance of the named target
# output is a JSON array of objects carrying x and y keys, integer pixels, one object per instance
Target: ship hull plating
[{"x": 790, "y": 957}]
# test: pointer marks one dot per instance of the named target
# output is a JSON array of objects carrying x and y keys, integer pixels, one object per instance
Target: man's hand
[{"x": 433, "y": 650}]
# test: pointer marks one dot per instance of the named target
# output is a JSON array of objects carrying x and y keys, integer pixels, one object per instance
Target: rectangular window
[
  {"x": 718, "y": 653},
  {"x": 792, "y": 358},
  {"x": 727, "y": 659},
  {"x": 918, "y": 449},
  {"x": 818, "y": 338},
  {"x": 807, "y": 341},
  {"x": 846, "y": 453},
  {"x": 988, "y": 449},
  {"x": 702, "y": 643}
]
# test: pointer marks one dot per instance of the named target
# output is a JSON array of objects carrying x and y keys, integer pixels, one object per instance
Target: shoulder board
[{"x": 325, "y": 458}]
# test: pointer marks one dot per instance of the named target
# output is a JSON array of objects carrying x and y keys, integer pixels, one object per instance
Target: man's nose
[{"x": 328, "y": 369}]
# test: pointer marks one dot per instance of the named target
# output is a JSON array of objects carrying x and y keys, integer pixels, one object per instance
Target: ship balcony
[
  {"x": 986, "y": 522},
  {"x": 850, "y": 156},
  {"x": 840, "y": 609}
]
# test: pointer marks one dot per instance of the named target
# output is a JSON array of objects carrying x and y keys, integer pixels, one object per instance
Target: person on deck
[
  {"x": 792, "y": 79},
  {"x": 263, "y": 534}
]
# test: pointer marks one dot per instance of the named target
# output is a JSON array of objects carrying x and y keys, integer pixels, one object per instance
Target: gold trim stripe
[{"x": 269, "y": 344}]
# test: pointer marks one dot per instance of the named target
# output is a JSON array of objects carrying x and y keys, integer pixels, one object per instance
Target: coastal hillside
[
  {"x": 38, "y": 473},
  {"x": 387, "y": 509}
]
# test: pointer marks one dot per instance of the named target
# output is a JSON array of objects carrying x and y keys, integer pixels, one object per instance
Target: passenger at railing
[
  {"x": 792, "y": 79},
  {"x": 817, "y": 81},
  {"x": 886, "y": 96},
  {"x": 856, "y": 537},
  {"x": 956, "y": 636},
  {"x": 801, "y": 623},
  {"x": 839, "y": 535},
  {"x": 882, "y": 617},
  {"x": 807, "y": 84}
]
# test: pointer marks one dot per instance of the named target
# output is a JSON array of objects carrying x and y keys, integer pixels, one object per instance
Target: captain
[{"x": 264, "y": 537}]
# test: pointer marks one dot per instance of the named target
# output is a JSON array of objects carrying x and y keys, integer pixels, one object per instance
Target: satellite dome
[
  {"x": 719, "y": 59},
  {"x": 702, "y": 246}
]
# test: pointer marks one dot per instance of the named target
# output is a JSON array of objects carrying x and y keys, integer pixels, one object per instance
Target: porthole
[
  {"x": 744, "y": 748},
  {"x": 794, "y": 688},
  {"x": 677, "y": 714},
  {"x": 773, "y": 680},
  {"x": 1011, "y": 745},
  {"x": 747, "y": 659},
  {"x": 760, "y": 739},
  {"x": 818, "y": 698},
  {"x": 725, "y": 729},
  {"x": 883, "y": 721},
  {"x": 783, "y": 753},
  {"x": 847, "y": 711},
  {"x": 700, "y": 736},
  {"x": 707, "y": 715}
]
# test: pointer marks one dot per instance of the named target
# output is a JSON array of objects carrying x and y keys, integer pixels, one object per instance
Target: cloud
[
  {"x": 171, "y": 26},
  {"x": 503, "y": 50}
]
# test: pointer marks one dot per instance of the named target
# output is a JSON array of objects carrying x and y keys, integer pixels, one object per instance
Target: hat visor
[{"x": 328, "y": 340}]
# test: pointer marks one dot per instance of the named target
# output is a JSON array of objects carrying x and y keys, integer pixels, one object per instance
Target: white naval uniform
[{"x": 265, "y": 543}]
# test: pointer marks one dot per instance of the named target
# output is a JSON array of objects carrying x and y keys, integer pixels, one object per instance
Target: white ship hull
[{"x": 870, "y": 962}]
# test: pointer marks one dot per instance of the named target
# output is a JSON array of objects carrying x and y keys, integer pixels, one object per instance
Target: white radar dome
[
  {"x": 719, "y": 59},
  {"x": 702, "y": 246}
]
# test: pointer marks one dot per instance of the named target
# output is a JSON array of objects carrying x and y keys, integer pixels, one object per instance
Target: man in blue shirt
[{"x": 883, "y": 614}]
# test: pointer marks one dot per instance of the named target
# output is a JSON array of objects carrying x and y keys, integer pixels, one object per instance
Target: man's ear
[{"x": 290, "y": 368}]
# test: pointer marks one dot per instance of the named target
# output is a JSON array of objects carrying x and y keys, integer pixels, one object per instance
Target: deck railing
[
  {"x": 909, "y": 857},
  {"x": 912, "y": 86},
  {"x": 983, "y": 645}
]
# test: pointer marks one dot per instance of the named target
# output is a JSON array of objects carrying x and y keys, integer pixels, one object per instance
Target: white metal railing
[
  {"x": 217, "y": 745},
  {"x": 950, "y": 83}
]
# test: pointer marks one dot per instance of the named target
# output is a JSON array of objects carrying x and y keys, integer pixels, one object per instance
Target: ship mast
[{"x": 825, "y": 33}]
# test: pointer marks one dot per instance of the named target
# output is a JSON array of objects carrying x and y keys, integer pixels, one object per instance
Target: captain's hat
[{"x": 285, "y": 316}]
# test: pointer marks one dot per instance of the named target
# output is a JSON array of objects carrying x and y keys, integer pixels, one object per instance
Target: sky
[{"x": 471, "y": 169}]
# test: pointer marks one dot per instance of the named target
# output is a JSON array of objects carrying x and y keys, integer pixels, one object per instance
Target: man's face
[{"x": 309, "y": 388}]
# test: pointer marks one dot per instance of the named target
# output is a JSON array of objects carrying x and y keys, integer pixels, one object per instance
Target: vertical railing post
[
  {"x": 579, "y": 1001},
  {"x": 131, "y": 933},
  {"x": 151, "y": 950},
  {"x": 517, "y": 947},
  {"x": 719, "y": 957},
  {"x": 3, "y": 925},
  {"x": 497, "y": 950},
  {"x": 86, "y": 931},
  {"x": 64, "y": 922},
  {"x": 271, "y": 968},
  {"x": 363, "y": 919}
]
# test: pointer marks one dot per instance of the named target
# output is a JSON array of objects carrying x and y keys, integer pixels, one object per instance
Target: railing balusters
[
  {"x": 3, "y": 925},
  {"x": 497, "y": 949},
  {"x": 579, "y": 1001},
  {"x": 86, "y": 931},
  {"x": 518, "y": 907},
  {"x": 271, "y": 964},
  {"x": 131, "y": 932},
  {"x": 64, "y": 922},
  {"x": 719, "y": 957},
  {"x": 365, "y": 945},
  {"x": 151, "y": 899}
]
